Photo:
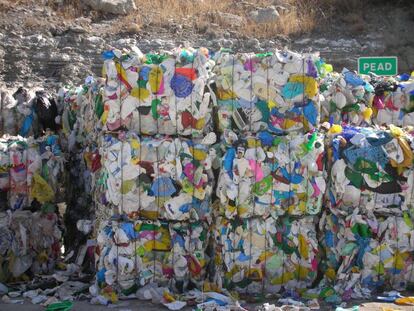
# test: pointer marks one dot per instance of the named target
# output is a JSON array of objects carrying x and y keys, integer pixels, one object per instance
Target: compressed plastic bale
[
  {"x": 45, "y": 238},
  {"x": 347, "y": 98},
  {"x": 120, "y": 244},
  {"x": 344, "y": 241},
  {"x": 393, "y": 102},
  {"x": 366, "y": 253},
  {"x": 191, "y": 241},
  {"x": 362, "y": 100},
  {"x": 391, "y": 260},
  {"x": 16, "y": 160},
  {"x": 142, "y": 252},
  {"x": 258, "y": 255},
  {"x": 397, "y": 235},
  {"x": 299, "y": 244},
  {"x": 275, "y": 91},
  {"x": 29, "y": 242},
  {"x": 82, "y": 108},
  {"x": 266, "y": 174},
  {"x": 31, "y": 169},
  {"x": 158, "y": 177},
  {"x": 182, "y": 264},
  {"x": 52, "y": 165},
  {"x": 158, "y": 93},
  {"x": 370, "y": 169},
  {"x": 239, "y": 264}
]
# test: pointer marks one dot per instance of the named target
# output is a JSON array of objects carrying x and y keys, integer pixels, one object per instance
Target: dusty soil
[{"x": 147, "y": 306}]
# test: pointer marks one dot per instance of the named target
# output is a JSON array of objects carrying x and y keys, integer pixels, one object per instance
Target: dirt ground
[{"x": 133, "y": 305}]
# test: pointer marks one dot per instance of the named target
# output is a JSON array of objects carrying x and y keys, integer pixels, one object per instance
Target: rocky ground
[{"x": 44, "y": 43}]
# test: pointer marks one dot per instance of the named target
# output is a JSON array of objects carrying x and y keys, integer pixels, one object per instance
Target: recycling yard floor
[{"x": 132, "y": 305}]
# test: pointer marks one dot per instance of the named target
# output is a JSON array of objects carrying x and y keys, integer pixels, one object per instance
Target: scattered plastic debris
[{"x": 60, "y": 306}]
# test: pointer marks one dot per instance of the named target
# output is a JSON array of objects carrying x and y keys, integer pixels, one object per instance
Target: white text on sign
[{"x": 380, "y": 66}]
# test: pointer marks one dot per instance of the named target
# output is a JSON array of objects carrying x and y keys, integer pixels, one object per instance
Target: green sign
[{"x": 381, "y": 66}]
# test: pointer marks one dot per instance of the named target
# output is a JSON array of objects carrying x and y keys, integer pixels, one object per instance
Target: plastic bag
[{"x": 40, "y": 190}]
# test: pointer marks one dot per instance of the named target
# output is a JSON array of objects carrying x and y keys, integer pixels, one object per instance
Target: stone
[
  {"x": 211, "y": 34},
  {"x": 59, "y": 57},
  {"x": 133, "y": 28},
  {"x": 157, "y": 43},
  {"x": 77, "y": 29},
  {"x": 94, "y": 40},
  {"x": 264, "y": 15},
  {"x": 225, "y": 43},
  {"x": 118, "y": 7},
  {"x": 230, "y": 19},
  {"x": 253, "y": 43}
]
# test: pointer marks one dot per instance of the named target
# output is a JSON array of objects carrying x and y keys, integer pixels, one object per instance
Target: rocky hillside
[{"x": 49, "y": 42}]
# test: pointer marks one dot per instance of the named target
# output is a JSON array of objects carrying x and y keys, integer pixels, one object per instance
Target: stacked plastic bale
[
  {"x": 30, "y": 182},
  {"x": 154, "y": 192},
  {"x": 158, "y": 179},
  {"x": 276, "y": 91},
  {"x": 171, "y": 254},
  {"x": 367, "y": 232},
  {"x": 347, "y": 98},
  {"x": 271, "y": 183},
  {"x": 270, "y": 188},
  {"x": 157, "y": 93},
  {"x": 393, "y": 102}
]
